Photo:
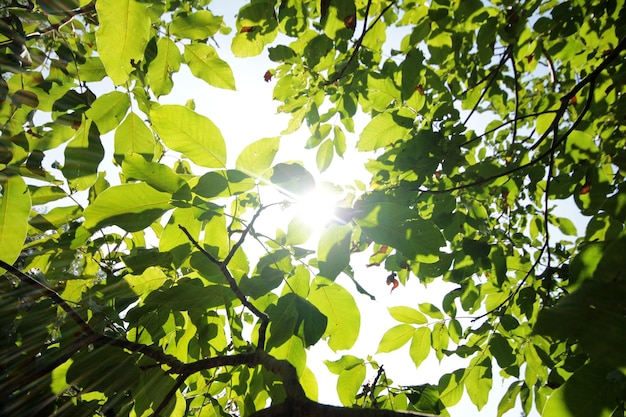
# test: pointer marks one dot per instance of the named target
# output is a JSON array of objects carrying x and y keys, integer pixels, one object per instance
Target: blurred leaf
[
  {"x": 589, "y": 392},
  {"x": 14, "y": 211}
]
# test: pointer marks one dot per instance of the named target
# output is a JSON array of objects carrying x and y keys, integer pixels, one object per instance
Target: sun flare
[{"x": 317, "y": 207}]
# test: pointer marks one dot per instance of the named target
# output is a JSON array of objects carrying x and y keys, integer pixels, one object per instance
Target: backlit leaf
[
  {"x": 257, "y": 157},
  {"x": 191, "y": 134},
  {"x": 420, "y": 345},
  {"x": 83, "y": 155},
  {"x": 163, "y": 66},
  {"x": 14, "y": 211},
  {"x": 122, "y": 36},
  {"x": 333, "y": 252},
  {"x": 132, "y": 207},
  {"x": 133, "y": 136},
  {"x": 199, "y": 25},
  {"x": 344, "y": 319},
  {"x": 349, "y": 383},
  {"x": 109, "y": 110},
  {"x": 207, "y": 65},
  {"x": 406, "y": 314},
  {"x": 383, "y": 130},
  {"x": 395, "y": 338}
]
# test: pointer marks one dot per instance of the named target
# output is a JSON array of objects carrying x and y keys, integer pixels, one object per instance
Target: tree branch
[
  {"x": 359, "y": 42},
  {"x": 88, "y": 8},
  {"x": 589, "y": 79},
  {"x": 492, "y": 78},
  {"x": 223, "y": 267},
  {"x": 307, "y": 408}
]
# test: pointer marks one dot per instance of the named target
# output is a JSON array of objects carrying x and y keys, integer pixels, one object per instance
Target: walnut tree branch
[{"x": 223, "y": 267}]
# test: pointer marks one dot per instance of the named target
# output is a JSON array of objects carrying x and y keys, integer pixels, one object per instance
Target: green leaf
[
  {"x": 106, "y": 369},
  {"x": 159, "y": 176},
  {"x": 83, "y": 154},
  {"x": 163, "y": 66},
  {"x": 256, "y": 158},
  {"x": 151, "y": 279},
  {"x": 283, "y": 319},
  {"x": 385, "y": 129},
  {"x": 195, "y": 136},
  {"x": 133, "y": 136},
  {"x": 92, "y": 69},
  {"x": 14, "y": 212},
  {"x": 199, "y": 25},
  {"x": 173, "y": 239},
  {"x": 299, "y": 230},
  {"x": 344, "y": 319},
  {"x": 509, "y": 398},
  {"x": 45, "y": 194},
  {"x": 205, "y": 64},
  {"x": 311, "y": 322},
  {"x": 395, "y": 338},
  {"x": 590, "y": 392},
  {"x": 566, "y": 226},
  {"x": 431, "y": 310},
  {"x": 122, "y": 36},
  {"x": 109, "y": 110},
  {"x": 293, "y": 351},
  {"x": 324, "y": 155},
  {"x": 544, "y": 122},
  {"x": 333, "y": 251},
  {"x": 588, "y": 317},
  {"x": 132, "y": 207},
  {"x": 292, "y": 178},
  {"x": 420, "y": 345},
  {"x": 407, "y": 315},
  {"x": 478, "y": 382},
  {"x": 398, "y": 226},
  {"x": 339, "y": 142},
  {"x": 256, "y": 27},
  {"x": 349, "y": 383}
]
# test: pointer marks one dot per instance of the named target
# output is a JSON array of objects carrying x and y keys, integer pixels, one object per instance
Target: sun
[{"x": 317, "y": 207}]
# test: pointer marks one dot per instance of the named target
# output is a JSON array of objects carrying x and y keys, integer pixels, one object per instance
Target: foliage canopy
[{"x": 136, "y": 292}]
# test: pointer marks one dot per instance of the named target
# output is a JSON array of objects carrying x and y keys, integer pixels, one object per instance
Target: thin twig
[
  {"x": 52, "y": 294},
  {"x": 518, "y": 288},
  {"x": 223, "y": 267},
  {"x": 516, "y": 79},
  {"x": 490, "y": 81},
  {"x": 589, "y": 79},
  {"x": 359, "y": 42},
  {"x": 88, "y": 8}
]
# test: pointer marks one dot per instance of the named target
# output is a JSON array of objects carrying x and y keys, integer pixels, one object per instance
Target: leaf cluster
[{"x": 145, "y": 291}]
